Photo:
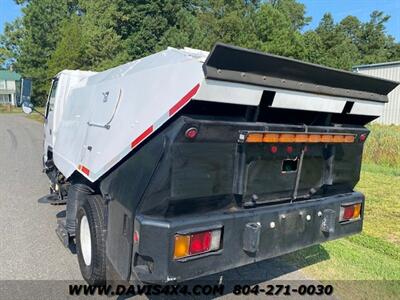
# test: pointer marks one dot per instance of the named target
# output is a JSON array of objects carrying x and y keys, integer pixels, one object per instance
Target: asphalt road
[{"x": 29, "y": 247}]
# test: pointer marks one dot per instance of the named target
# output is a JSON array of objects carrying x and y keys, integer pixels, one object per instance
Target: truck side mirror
[{"x": 27, "y": 107}]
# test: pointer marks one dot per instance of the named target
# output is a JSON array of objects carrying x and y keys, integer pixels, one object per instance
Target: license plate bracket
[{"x": 293, "y": 222}]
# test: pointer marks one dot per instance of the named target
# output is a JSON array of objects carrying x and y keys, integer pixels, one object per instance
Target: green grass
[
  {"x": 383, "y": 146},
  {"x": 15, "y": 110},
  {"x": 367, "y": 265},
  {"x": 10, "y": 109},
  {"x": 373, "y": 168},
  {"x": 382, "y": 209},
  {"x": 36, "y": 116}
]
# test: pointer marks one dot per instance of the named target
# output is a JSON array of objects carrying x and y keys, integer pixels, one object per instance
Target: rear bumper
[{"x": 283, "y": 228}]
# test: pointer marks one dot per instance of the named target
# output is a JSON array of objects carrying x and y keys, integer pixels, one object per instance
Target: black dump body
[
  {"x": 173, "y": 184},
  {"x": 174, "y": 179}
]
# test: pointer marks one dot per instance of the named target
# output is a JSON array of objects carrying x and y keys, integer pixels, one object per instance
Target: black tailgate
[{"x": 275, "y": 172}]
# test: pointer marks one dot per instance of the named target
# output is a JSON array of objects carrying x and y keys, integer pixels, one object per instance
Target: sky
[
  {"x": 315, "y": 9},
  {"x": 359, "y": 8},
  {"x": 8, "y": 12}
]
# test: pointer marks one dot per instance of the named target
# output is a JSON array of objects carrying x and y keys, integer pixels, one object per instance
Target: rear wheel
[{"x": 90, "y": 240}]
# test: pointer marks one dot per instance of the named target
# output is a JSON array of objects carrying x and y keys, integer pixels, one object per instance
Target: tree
[
  {"x": 350, "y": 42},
  {"x": 9, "y": 49},
  {"x": 375, "y": 45},
  {"x": 69, "y": 50},
  {"x": 186, "y": 32},
  {"x": 103, "y": 47},
  {"x": 335, "y": 48},
  {"x": 395, "y": 52},
  {"x": 147, "y": 25},
  {"x": 276, "y": 33},
  {"x": 231, "y": 22},
  {"x": 314, "y": 47},
  {"x": 41, "y": 23},
  {"x": 294, "y": 12}
]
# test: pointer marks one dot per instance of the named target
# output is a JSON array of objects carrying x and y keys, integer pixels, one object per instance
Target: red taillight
[
  {"x": 136, "y": 236},
  {"x": 191, "y": 133},
  {"x": 363, "y": 137},
  {"x": 196, "y": 243},
  {"x": 350, "y": 212},
  {"x": 200, "y": 242}
]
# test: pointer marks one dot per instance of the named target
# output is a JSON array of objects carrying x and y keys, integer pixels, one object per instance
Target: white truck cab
[{"x": 61, "y": 86}]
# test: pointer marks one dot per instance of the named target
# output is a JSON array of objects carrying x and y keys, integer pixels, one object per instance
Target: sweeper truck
[{"x": 186, "y": 163}]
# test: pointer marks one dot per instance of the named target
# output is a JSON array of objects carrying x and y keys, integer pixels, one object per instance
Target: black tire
[{"x": 94, "y": 272}]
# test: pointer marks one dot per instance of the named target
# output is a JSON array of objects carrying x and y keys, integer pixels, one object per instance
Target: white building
[
  {"x": 389, "y": 70},
  {"x": 8, "y": 87}
]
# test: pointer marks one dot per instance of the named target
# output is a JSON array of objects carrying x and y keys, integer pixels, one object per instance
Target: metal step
[{"x": 62, "y": 233}]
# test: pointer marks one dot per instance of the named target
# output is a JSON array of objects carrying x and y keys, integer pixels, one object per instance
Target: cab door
[{"x": 49, "y": 121}]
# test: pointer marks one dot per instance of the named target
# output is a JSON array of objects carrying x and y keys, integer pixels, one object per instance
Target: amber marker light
[
  {"x": 255, "y": 138},
  {"x": 271, "y": 138},
  {"x": 349, "y": 138},
  {"x": 286, "y": 138},
  {"x": 182, "y": 243},
  {"x": 326, "y": 138},
  {"x": 338, "y": 138},
  {"x": 289, "y": 137},
  {"x": 301, "y": 138},
  {"x": 314, "y": 138}
]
